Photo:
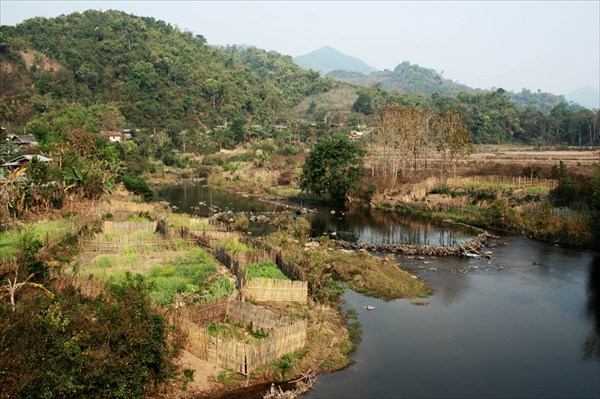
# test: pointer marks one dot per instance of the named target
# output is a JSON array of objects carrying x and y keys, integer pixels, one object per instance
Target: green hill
[
  {"x": 407, "y": 78},
  {"x": 413, "y": 79},
  {"x": 151, "y": 72}
]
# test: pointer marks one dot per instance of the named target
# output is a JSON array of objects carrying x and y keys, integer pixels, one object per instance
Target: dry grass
[{"x": 379, "y": 277}]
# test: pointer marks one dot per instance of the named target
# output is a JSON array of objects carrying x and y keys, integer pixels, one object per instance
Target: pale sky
[{"x": 549, "y": 45}]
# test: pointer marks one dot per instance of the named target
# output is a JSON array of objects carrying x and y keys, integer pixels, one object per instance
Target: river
[{"x": 524, "y": 324}]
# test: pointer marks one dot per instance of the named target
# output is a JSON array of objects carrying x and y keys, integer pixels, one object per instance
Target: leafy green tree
[
  {"x": 333, "y": 169},
  {"x": 364, "y": 104}
]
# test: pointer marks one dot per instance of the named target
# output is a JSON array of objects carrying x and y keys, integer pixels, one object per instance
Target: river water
[{"x": 524, "y": 324}]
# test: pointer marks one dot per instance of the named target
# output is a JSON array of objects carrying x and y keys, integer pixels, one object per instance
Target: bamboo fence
[
  {"x": 109, "y": 226},
  {"x": 284, "y": 335},
  {"x": 203, "y": 314},
  {"x": 113, "y": 246},
  {"x": 292, "y": 271},
  {"x": 273, "y": 290},
  {"x": 264, "y": 289}
]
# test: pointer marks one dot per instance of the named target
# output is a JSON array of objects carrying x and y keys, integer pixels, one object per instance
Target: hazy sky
[{"x": 549, "y": 45}]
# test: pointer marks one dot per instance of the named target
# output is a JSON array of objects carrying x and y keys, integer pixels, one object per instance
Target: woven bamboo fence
[
  {"x": 109, "y": 226},
  {"x": 263, "y": 289},
  {"x": 197, "y": 338},
  {"x": 239, "y": 271},
  {"x": 285, "y": 335},
  {"x": 111, "y": 246},
  {"x": 203, "y": 314},
  {"x": 292, "y": 271},
  {"x": 273, "y": 290}
]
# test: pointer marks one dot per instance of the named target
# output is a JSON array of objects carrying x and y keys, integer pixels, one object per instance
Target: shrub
[
  {"x": 123, "y": 351},
  {"x": 213, "y": 159},
  {"x": 139, "y": 186},
  {"x": 171, "y": 159},
  {"x": 241, "y": 223},
  {"x": 242, "y": 157},
  {"x": 289, "y": 150}
]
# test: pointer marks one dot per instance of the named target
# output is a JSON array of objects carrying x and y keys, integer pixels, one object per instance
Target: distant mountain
[
  {"x": 413, "y": 79},
  {"x": 407, "y": 78},
  {"x": 327, "y": 59},
  {"x": 586, "y": 96}
]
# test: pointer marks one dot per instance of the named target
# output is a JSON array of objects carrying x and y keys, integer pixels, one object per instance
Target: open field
[{"x": 507, "y": 154}]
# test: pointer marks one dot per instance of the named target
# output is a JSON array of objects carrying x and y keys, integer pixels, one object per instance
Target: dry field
[{"x": 506, "y": 154}]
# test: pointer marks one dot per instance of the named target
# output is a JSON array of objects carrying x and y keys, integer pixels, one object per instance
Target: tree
[
  {"x": 364, "y": 104},
  {"x": 333, "y": 168}
]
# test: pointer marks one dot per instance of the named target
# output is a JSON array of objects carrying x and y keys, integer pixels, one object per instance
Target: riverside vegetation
[
  {"x": 251, "y": 122},
  {"x": 149, "y": 281}
]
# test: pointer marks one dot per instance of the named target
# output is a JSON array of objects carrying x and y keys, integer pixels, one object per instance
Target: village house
[
  {"x": 356, "y": 134},
  {"x": 22, "y": 160},
  {"x": 22, "y": 140},
  {"x": 112, "y": 135}
]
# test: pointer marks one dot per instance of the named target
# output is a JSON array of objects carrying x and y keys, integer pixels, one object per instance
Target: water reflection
[
  {"x": 354, "y": 225},
  {"x": 372, "y": 226},
  {"x": 591, "y": 346},
  {"x": 197, "y": 200}
]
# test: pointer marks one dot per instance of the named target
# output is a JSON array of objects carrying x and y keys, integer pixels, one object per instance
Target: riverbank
[
  {"x": 486, "y": 192},
  {"x": 121, "y": 237}
]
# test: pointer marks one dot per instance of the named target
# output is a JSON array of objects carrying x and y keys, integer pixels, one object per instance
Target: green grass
[
  {"x": 178, "y": 220},
  {"x": 192, "y": 272},
  {"x": 235, "y": 246},
  {"x": 139, "y": 219},
  {"x": 504, "y": 186},
  {"x": 537, "y": 190},
  {"x": 236, "y": 331},
  {"x": 9, "y": 240},
  {"x": 226, "y": 330},
  {"x": 265, "y": 270},
  {"x": 218, "y": 288},
  {"x": 184, "y": 275},
  {"x": 288, "y": 192},
  {"x": 228, "y": 376}
]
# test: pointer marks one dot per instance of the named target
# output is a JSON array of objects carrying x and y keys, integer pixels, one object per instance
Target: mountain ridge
[
  {"x": 327, "y": 59},
  {"x": 586, "y": 96}
]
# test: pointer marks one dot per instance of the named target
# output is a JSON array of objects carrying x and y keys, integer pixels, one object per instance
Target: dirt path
[{"x": 205, "y": 373}]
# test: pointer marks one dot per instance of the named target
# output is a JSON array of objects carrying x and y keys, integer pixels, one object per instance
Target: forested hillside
[
  {"x": 110, "y": 70},
  {"x": 413, "y": 79},
  {"x": 147, "y": 72},
  {"x": 406, "y": 78}
]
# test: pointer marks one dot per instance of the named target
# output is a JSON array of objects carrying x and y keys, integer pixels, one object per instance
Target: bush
[
  {"x": 123, "y": 351},
  {"x": 170, "y": 159},
  {"x": 203, "y": 171},
  {"x": 241, "y": 223},
  {"x": 289, "y": 150},
  {"x": 139, "y": 186},
  {"x": 243, "y": 157},
  {"x": 213, "y": 160}
]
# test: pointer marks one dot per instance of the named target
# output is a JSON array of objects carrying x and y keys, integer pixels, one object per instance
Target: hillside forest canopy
[{"x": 110, "y": 70}]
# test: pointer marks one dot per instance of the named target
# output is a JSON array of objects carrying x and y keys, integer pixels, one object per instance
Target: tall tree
[{"x": 333, "y": 169}]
